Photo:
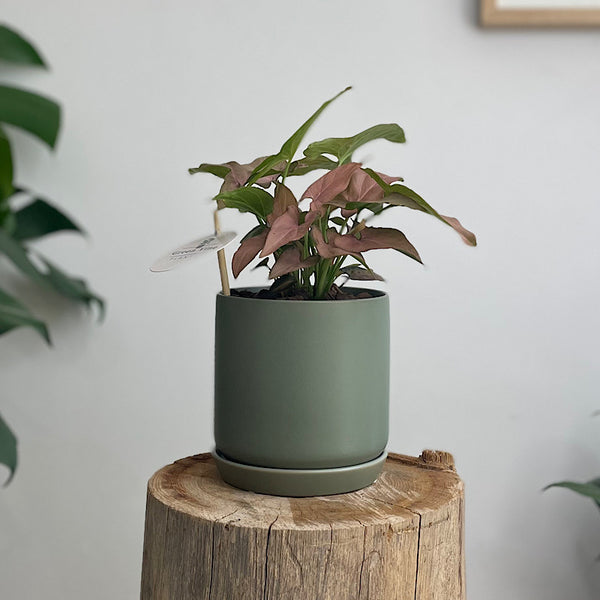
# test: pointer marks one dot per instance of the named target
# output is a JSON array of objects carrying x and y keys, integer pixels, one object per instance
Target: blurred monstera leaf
[{"x": 22, "y": 224}]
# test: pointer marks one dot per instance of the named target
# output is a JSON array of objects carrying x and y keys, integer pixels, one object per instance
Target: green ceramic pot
[{"x": 301, "y": 393}]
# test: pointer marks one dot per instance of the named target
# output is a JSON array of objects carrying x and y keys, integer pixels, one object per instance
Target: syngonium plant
[{"x": 309, "y": 243}]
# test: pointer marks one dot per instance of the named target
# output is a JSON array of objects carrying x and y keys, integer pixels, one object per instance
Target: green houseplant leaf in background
[
  {"x": 20, "y": 225},
  {"x": 591, "y": 489}
]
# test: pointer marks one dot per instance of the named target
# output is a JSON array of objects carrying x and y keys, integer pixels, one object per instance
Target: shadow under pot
[{"x": 301, "y": 393}]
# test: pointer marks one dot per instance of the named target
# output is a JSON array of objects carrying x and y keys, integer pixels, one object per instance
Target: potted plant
[{"x": 302, "y": 365}]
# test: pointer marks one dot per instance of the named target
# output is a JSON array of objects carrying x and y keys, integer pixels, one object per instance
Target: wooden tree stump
[{"x": 399, "y": 539}]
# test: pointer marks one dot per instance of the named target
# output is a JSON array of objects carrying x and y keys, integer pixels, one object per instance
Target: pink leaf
[
  {"x": 327, "y": 187},
  {"x": 291, "y": 260},
  {"x": 375, "y": 238},
  {"x": 239, "y": 174},
  {"x": 284, "y": 199},
  {"x": 467, "y": 236},
  {"x": 327, "y": 249},
  {"x": 371, "y": 238},
  {"x": 248, "y": 249},
  {"x": 286, "y": 229},
  {"x": 363, "y": 188}
]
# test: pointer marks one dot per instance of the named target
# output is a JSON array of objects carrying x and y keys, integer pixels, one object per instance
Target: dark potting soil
[{"x": 335, "y": 293}]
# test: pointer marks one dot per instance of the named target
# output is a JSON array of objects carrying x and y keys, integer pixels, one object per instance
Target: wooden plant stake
[{"x": 221, "y": 258}]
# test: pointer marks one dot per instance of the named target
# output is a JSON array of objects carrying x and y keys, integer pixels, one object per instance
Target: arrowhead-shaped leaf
[
  {"x": 376, "y": 238},
  {"x": 290, "y": 146},
  {"x": 343, "y": 148},
  {"x": 248, "y": 199},
  {"x": 16, "y": 49},
  {"x": 291, "y": 260},
  {"x": 328, "y": 186},
  {"x": 40, "y": 218},
  {"x": 287, "y": 228},
  {"x": 36, "y": 114},
  {"x": 371, "y": 238},
  {"x": 247, "y": 251},
  {"x": 14, "y": 314},
  {"x": 8, "y": 448},
  {"x": 363, "y": 189},
  {"x": 284, "y": 199}
]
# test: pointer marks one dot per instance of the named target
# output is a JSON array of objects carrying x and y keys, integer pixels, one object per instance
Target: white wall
[{"x": 495, "y": 349}]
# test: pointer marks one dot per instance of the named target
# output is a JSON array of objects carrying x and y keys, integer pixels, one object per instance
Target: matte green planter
[{"x": 301, "y": 393}]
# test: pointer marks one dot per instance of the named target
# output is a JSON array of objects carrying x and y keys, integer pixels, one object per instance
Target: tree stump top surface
[{"x": 407, "y": 488}]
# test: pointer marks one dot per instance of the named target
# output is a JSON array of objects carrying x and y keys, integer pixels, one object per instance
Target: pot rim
[{"x": 379, "y": 294}]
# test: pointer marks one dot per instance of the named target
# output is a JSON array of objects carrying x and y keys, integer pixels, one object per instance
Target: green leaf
[
  {"x": 338, "y": 221},
  {"x": 374, "y": 207},
  {"x": 218, "y": 170},
  {"x": 54, "y": 279},
  {"x": 290, "y": 146},
  {"x": 6, "y": 167},
  {"x": 590, "y": 489},
  {"x": 16, "y": 49},
  {"x": 400, "y": 195},
  {"x": 343, "y": 148},
  {"x": 263, "y": 263},
  {"x": 15, "y": 252},
  {"x": 283, "y": 283},
  {"x": 7, "y": 217},
  {"x": 254, "y": 232},
  {"x": 306, "y": 165},
  {"x": 40, "y": 218},
  {"x": 73, "y": 287},
  {"x": 8, "y": 449},
  {"x": 248, "y": 199},
  {"x": 13, "y": 314},
  {"x": 36, "y": 114}
]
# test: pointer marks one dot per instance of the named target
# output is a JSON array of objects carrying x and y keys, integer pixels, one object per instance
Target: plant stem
[{"x": 322, "y": 279}]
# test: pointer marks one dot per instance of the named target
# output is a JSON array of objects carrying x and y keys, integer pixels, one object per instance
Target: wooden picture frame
[{"x": 494, "y": 15}]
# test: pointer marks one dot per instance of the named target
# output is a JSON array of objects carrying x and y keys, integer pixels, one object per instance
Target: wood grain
[
  {"x": 399, "y": 539},
  {"x": 493, "y": 16}
]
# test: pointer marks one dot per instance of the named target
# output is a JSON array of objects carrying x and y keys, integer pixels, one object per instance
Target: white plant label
[{"x": 201, "y": 247}]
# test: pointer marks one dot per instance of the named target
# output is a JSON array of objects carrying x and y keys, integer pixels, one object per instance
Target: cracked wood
[{"x": 399, "y": 539}]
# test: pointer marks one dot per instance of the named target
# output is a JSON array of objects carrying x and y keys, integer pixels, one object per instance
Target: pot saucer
[{"x": 299, "y": 482}]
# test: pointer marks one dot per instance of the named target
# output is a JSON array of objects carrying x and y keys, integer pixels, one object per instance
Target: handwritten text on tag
[{"x": 202, "y": 246}]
